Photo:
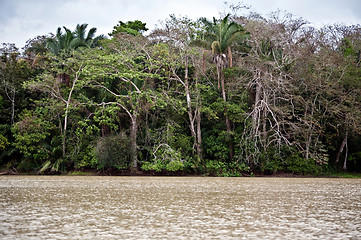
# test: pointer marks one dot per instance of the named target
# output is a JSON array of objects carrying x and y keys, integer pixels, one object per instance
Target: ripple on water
[{"x": 56, "y": 207}]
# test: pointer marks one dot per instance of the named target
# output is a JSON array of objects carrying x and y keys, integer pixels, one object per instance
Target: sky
[{"x": 21, "y": 20}]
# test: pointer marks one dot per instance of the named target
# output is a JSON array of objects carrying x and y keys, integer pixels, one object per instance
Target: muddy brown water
[{"x": 64, "y": 207}]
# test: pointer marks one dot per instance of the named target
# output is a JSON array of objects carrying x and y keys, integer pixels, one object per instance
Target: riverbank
[{"x": 92, "y": 172}]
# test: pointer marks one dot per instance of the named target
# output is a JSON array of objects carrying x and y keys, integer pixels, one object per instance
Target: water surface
[{"x": 64, "y": 207}]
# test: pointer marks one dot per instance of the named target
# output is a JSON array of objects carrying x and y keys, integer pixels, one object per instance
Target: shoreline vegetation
[
  {"x": 238, "y": 95},
  {"x": 92, "y": 172}
]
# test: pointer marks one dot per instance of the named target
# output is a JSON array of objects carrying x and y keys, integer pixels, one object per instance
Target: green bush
[
  {"x": 3, "y": 142},
  {"x": 223, "y": 169},
  {"x": 215, "y": 167},
  {"x": 159, "y": 166},
  {"x": 32, "y": 137},
  {"x": 354, "y": 162},
  {"x": 165, "y": 159},
  {"x": 87, "y": 158},
  {"x": 113, "y": 152},
  {"x": 288, "y": 160},
  {"x": 299, "y": 165}
]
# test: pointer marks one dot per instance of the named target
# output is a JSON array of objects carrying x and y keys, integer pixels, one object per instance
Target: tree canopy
[
  {"x": 131, "y": 27},
  {"x": 234, "y": 96}
]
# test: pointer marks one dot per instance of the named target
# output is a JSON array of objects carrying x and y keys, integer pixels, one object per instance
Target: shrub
[
  {"x": 3, "y": 142},
  {"x": 113, "y": 152},
  {"x": 165, "y": 159},
  {"x": 32, "y": 138},
  {"x": 215, "y": 167},
  {"x": 299, "y": 165}
]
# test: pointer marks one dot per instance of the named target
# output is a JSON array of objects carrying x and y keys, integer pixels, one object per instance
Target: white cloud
[
  {"x": 318, "y": 12},
  {"x": 21, "y": 20}
]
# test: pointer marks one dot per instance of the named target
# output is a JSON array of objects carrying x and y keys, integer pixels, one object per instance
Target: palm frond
[
  {"x": 53, "y": 45},
  {"x": 68, "y": 38},
  {"x": 76, "y": 43},
  {"x": 58, "y": 32},
  {"x": 95, "y": 41},
  {"x": 80, "y": 30},
  {"x": 91, "y": 34},
  {"x": 73, "y": 40}
]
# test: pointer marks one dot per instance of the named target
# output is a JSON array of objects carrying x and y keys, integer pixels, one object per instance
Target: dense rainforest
[{"x": 233, "y": 96}]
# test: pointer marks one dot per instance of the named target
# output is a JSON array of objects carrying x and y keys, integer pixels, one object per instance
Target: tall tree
[
  {"x": 179, "y": 33},
  {"x": 63, "y": 41},
  {"x": 48, "y": 82},
  {"x": 13, "y": 72},
  {"x": 275, "y": 115},
  {"x": 35, "y": 48},
  {"x": 124, "y": 69},
  {"x": 219, "y": 36}
]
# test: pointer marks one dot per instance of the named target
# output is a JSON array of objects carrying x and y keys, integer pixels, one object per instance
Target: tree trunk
[
  {"x": 310, "y": 128},
  {"x": 195, "y": 131},
  {"x": 189, "y": 102},
  {"x": 203, "y": 62},
  {"x": 67, "y": 111},
  {"x": 191, "y": 126},
  {"x": 230, "y": 59},
  {"x": 346, "y": 153},
  {"x": 219, "y": 70},
  {"x": 133, "y": 142},
  {"x": 255, "y": 111},
  {"x": 199, "y": 134},
  {"x": 308, "y": 144},
  {"x": 223, "y": 89},
  {"x": 147, "y": 131},
  {"x": 11, "y": 97},
  {"x": 264, "y": 128},
  {"x": 13, "y": 110},
  {"x": 198, "y": 121},
  {"x": 343, "y": 145},
  {"x": 228, "y": 122},
  {"x": 65, "y": 127}
]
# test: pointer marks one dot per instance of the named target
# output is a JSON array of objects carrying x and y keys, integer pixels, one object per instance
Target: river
[{"x": 87, "y": 207}]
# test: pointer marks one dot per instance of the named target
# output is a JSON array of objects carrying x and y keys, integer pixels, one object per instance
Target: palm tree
[
  {"x": 62, "y": 41},
  {"x": 219, "y": 36},
  {"x": 73, "y": 40},
  {"x": 89, "y": 40}
]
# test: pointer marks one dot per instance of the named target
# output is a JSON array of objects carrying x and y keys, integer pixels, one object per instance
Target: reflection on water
[{"x": 63, "y": 207}]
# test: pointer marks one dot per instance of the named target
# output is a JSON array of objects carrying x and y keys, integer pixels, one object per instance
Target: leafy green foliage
[
  {"x": 153, "y": 99},
  {"x": 303, "y": 166},
  {"x": 3, "y": 142},
  {"x": 223, "y": 169},
  {"x": 32, "y": 135},
  {"x": 290, "y": 161},
  {"x": 72, "y": 40},
  {"x": 131, "y": 27},
  {"x": 113, "y": 152},
  {"x": 221, "y": 34},
  {"x": 165, "y": 159}
]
